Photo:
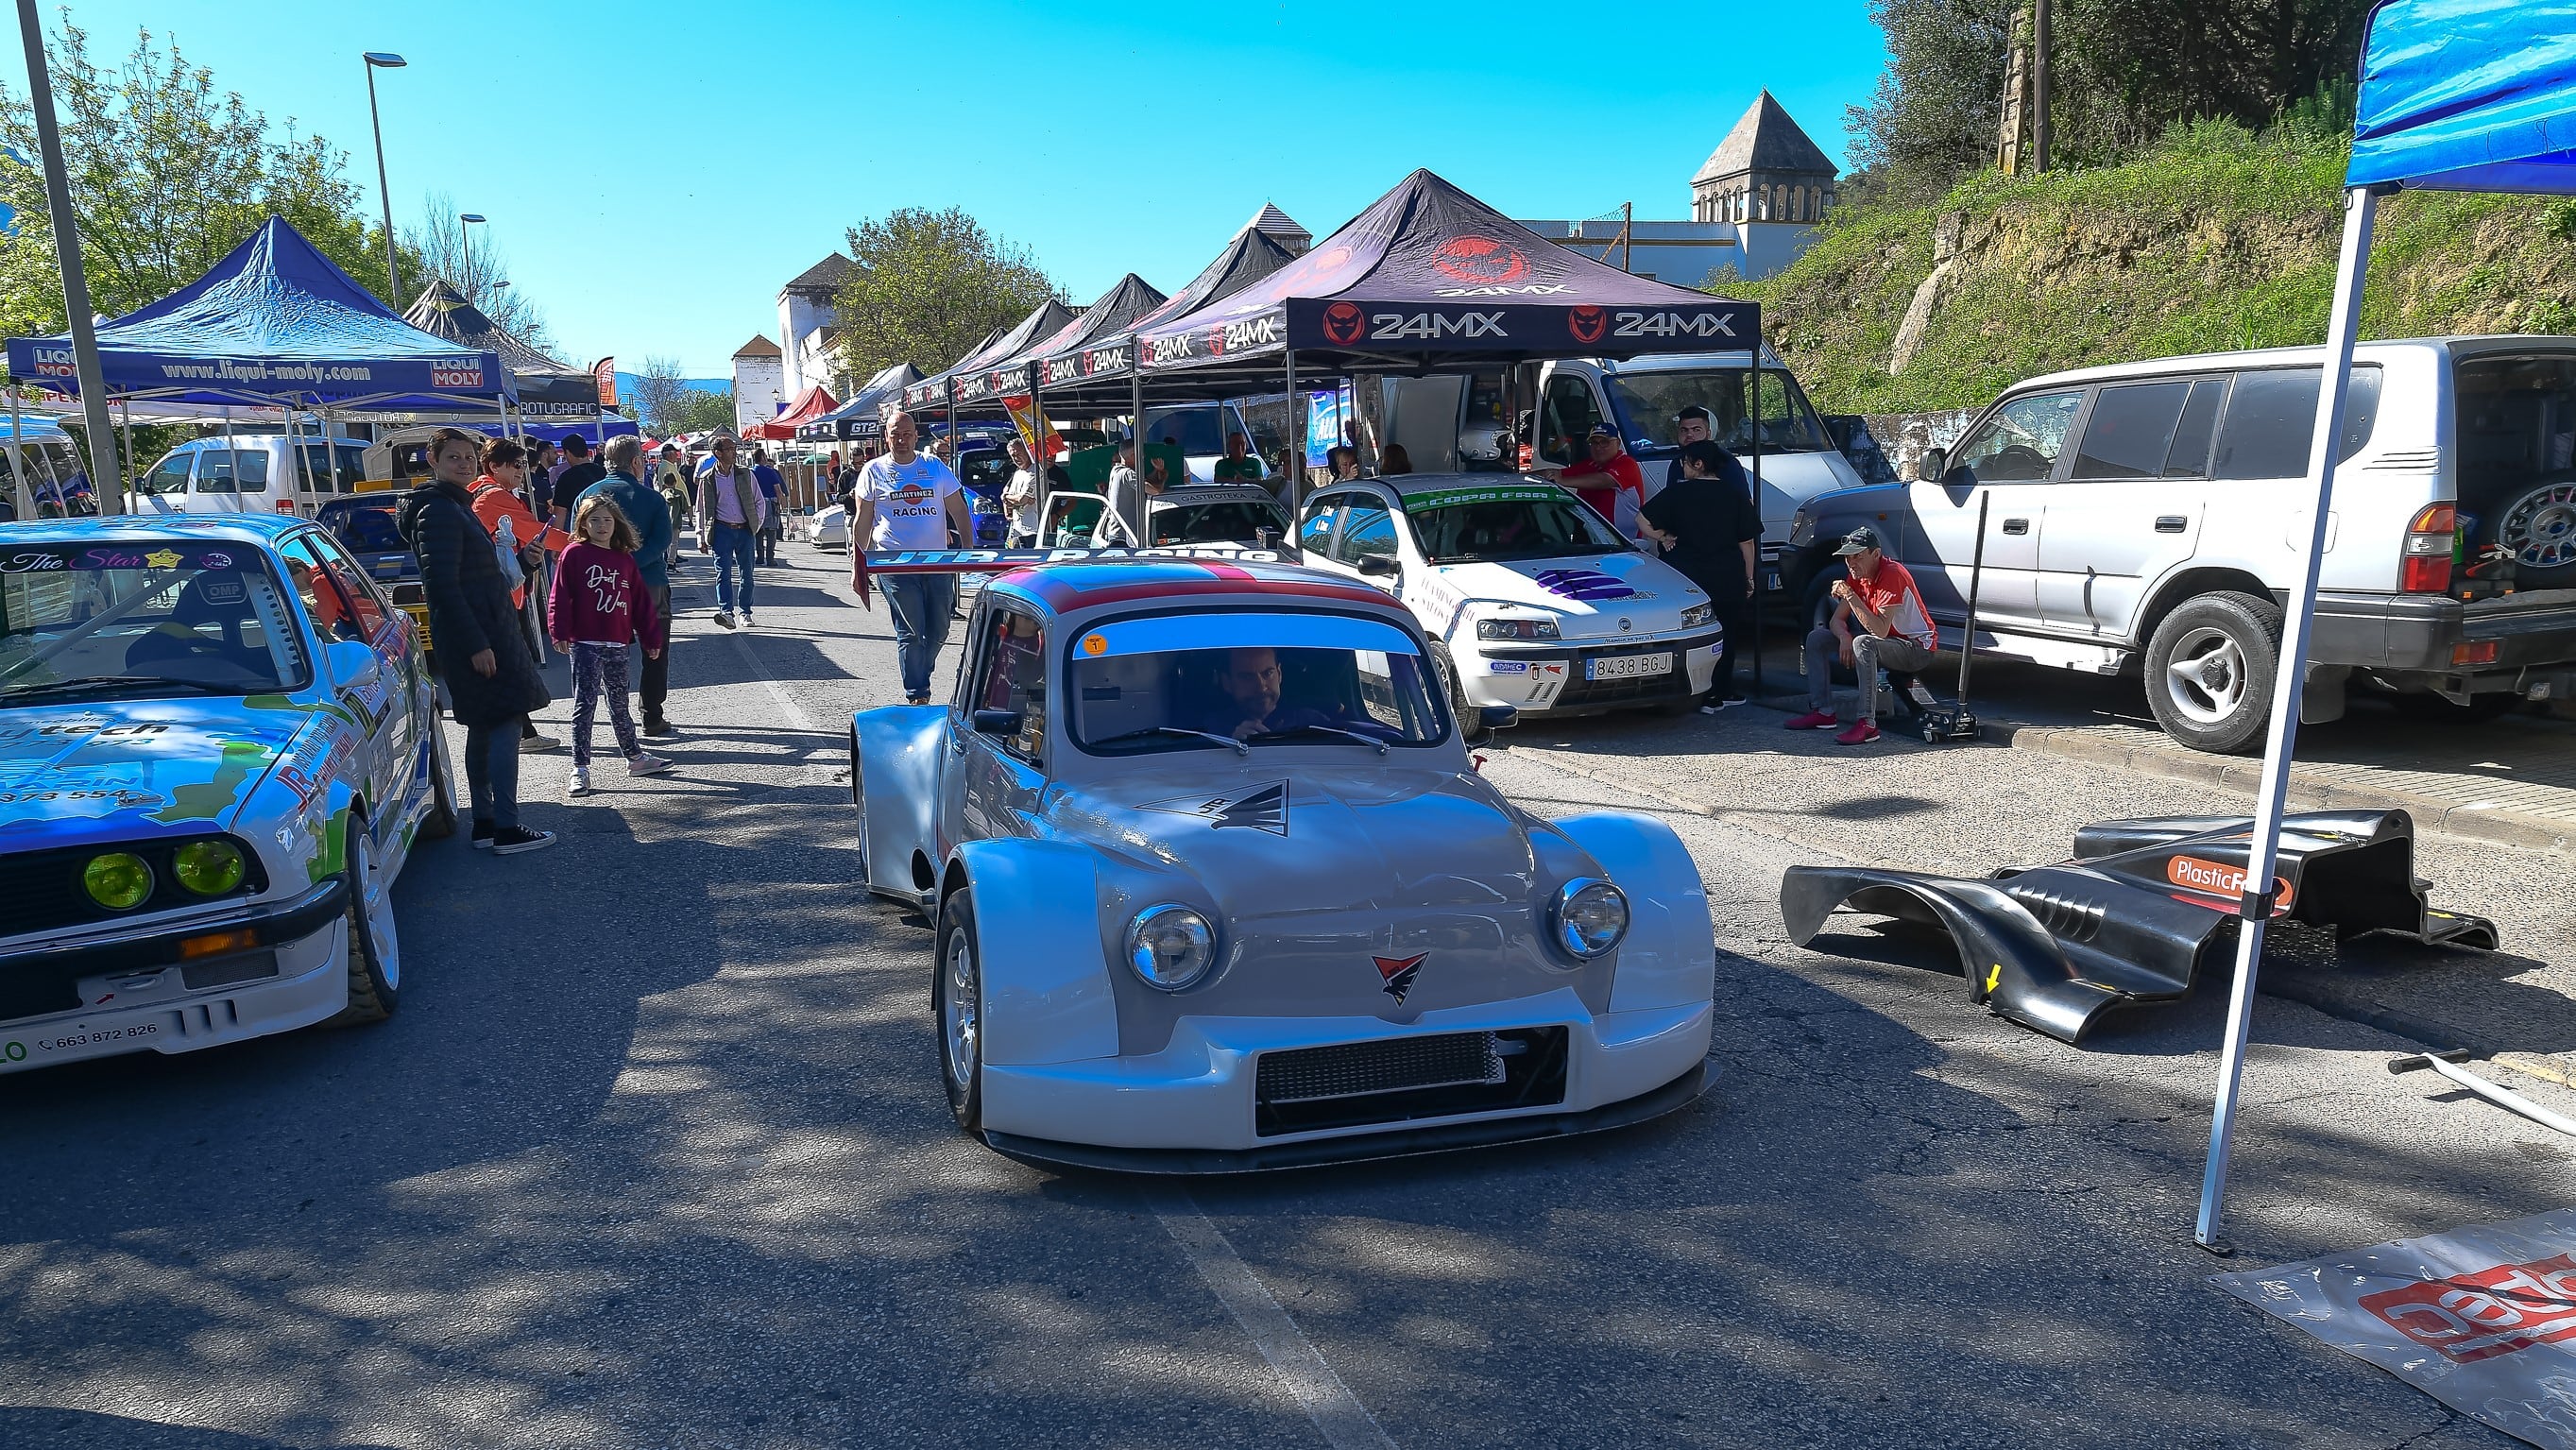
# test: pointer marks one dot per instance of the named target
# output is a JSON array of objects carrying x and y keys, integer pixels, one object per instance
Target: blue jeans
[
  {"x": 920, "y": 604},
  {"x": 492, "y": 772},
  {"x": 732, "y": 546}
]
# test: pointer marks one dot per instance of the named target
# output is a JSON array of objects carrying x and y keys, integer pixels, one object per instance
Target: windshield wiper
[
  {"x": 110, "y": 683},
  {"x": 1324, "y": 730},
  {"x": 1239, "y": 747}
]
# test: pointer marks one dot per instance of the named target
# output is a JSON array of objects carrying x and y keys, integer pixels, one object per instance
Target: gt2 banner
[{"x": 2480, "y": 1318}]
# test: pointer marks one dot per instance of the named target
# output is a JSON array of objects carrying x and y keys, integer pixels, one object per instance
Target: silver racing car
[{"x": 1217, "y": 887}]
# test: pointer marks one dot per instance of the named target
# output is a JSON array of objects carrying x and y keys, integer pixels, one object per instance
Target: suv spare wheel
[
  {"x": 2540, "y": 528},
  {"x": 2209, "y": 671}
]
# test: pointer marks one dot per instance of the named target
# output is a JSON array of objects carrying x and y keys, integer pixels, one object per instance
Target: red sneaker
[
  {"x": 1815, "y": 720},
  {"x": 1860, "y": 734}
]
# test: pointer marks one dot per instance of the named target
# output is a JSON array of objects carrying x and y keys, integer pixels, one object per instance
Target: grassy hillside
[{"x": 2215, "y": 239}]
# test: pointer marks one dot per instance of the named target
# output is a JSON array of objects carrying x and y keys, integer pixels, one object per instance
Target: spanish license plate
[{"x": 1627, "y": 667}]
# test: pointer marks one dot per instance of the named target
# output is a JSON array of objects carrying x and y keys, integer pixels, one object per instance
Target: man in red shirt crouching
[{"x": 1896, "y": 631}]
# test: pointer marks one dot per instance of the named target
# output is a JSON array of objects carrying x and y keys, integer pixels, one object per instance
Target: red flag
[{"x": 604, "y": 372}]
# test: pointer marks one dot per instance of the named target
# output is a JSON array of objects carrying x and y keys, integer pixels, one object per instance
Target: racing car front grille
[
  {"x": 1398, "y": 1079},
  {"x": 42, "y": 891}
]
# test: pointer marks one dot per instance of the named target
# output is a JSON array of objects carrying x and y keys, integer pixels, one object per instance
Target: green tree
[
  {"x": 702, "y": 412},
  {"x": 660, "y": 394},
  {"x": 475, "y": 267},
  {"x": 928, "y": 286},
  {"x": 167, "y": 175}
]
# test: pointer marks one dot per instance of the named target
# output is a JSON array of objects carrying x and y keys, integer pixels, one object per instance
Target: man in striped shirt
[{"x": 1894, "y": 630}]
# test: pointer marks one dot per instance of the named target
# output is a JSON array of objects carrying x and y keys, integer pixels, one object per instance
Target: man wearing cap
[
  {"x": 1608, "y": 480},
  {"x": 730, "y": 510},
  {"x": 1896, "y": 632}
]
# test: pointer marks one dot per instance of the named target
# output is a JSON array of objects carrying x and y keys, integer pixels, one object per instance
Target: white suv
[{"x": 2149, "y": 516}]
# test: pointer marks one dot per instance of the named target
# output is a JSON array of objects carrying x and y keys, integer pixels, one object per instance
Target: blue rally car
[{"x": 218, "y": 741}]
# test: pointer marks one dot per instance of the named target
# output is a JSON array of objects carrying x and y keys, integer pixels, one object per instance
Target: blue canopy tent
[
  {"x": 274, "y": 325},
  {"x": 2456, "y": 95}
]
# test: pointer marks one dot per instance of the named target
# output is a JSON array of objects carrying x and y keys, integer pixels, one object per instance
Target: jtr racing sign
[{"x": 993, "y": 561}]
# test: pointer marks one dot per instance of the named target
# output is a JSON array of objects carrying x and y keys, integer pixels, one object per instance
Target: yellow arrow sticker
[{"x": 1993, "y": 975}]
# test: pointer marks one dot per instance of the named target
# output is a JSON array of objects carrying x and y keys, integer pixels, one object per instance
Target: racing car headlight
[
  {"x": 1802, "y": 529},
  {"x": 1697, "y": 615},
  {"x": 1591, "y": 916},
  {"x": 1170, "y": 946},
  {"x": 1516, "y": 629},
  {"x": 118, "y": 880},
  {"x": 208, "y": 868}
]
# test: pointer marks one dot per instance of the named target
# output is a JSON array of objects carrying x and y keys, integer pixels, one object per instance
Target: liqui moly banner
[
  {"x": 48, "y": 361},
  {"x": 2481, "y": 1318}
]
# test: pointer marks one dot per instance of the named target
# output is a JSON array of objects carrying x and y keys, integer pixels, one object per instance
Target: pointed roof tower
[
  {"x": 1765, "y": 139},
  {"x": 1279, "y": 227},
  {"x": 759, "y": 346}
]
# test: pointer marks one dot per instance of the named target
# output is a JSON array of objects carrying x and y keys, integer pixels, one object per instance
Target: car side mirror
[
  {"x": 1001, "y": 723},
  {"x": 1498, "y": 717},
  {"x": 1379, "y": 564},
  {"x": 350, "y": 660},
  {"x": 1935, "y": 462}
]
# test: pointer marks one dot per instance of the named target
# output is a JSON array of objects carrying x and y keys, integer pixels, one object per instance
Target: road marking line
[{"x": 1337, "y": 1413}]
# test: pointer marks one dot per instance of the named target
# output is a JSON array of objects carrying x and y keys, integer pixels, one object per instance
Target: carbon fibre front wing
[{"x": 2140, "y": 908}]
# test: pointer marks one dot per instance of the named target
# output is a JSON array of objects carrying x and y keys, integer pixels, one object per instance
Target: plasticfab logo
[{"x": 2215, "y": 878}]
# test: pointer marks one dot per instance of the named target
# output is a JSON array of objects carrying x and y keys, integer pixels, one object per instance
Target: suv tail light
[{"x": 2426, "y": 568}]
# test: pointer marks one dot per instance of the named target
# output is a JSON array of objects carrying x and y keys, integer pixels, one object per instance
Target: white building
[
  {"x": 805, "y": 308},
  {"x": 1754, "y": 203},
  {"x": 759, "y": 382}
]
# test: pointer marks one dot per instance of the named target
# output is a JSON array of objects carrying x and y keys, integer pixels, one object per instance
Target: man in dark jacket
[
  {"x": 492, "y": 680},
  {"x": 650, "y": 513}
]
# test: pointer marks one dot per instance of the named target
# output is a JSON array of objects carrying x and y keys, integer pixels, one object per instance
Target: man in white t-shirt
[{"x": 909, "y": 500}]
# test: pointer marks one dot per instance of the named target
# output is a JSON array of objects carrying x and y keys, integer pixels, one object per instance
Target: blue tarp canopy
[
  {"x": 273, "y": 322},
  {"x": 2468, "y": 95}
]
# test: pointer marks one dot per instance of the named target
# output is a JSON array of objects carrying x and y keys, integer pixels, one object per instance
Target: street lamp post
[
  {"x": 465, "y": 284},
  {"x": 106, "y": 477},
  {"x": 384, "y": 60}
]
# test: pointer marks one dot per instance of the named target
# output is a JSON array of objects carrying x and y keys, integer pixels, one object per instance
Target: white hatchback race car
[{"x": 1530, "y": 599}]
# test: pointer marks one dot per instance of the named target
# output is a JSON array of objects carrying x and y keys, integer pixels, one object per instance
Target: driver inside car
[{"x": 1251, "y": 681}]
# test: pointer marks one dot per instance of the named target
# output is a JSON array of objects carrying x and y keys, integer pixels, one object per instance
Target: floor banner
[{"x": 2479, "y": 1317}]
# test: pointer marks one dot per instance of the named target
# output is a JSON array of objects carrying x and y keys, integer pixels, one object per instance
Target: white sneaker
[
  {"x": 724, "y": 619},
  {"x": 579, "y": 785},
  {"x": 745, "y": 619},
  {"x": 646, "y": 763}
]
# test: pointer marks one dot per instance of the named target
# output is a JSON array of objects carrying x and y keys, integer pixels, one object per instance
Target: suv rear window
[{"x": 2272, "y": 416}]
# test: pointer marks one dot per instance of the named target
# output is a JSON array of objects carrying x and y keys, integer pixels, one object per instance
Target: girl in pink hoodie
[{"x": 598, "y": 608}]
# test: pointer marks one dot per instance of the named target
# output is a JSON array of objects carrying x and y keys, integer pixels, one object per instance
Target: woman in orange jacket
[{"x": 498, "y": 497}]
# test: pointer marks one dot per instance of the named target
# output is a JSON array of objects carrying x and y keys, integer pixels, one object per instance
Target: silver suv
[{"x": 2148, "y": 517}]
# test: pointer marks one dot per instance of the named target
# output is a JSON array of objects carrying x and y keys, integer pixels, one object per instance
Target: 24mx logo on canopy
[
  {"x": 1587, "y": 323},
  {"x": 1386, "y": 326},
  {"x": 1343, "y": 323}
]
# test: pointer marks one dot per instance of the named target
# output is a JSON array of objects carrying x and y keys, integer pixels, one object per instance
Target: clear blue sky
[{"x": 654, "y": 171}]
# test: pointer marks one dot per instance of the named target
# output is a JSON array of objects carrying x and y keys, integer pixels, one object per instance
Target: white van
[
  {"x": 254, "y": 473},
  {"x": 2150, "y": 516},
  {"x": 1455, "y": 422}
]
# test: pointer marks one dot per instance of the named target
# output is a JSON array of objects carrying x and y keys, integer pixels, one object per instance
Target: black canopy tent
[
  {"x": 1024, "y": 372},
  {"x": 1090, "y": 370},
  {"x": 549, "y": 392},
  {"x": 862, "y": 418},
  {"x": 1429, "y": 279},
  {"x": 941, "y": 389}
]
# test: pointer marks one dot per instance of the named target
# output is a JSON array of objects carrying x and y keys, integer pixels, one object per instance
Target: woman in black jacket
[{"x": 492, "y": 680}]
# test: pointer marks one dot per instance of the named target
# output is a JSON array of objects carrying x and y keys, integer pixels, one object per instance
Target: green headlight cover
[
  {"x": 208, "y": 868},
  {"x": 118, "y": 880}
]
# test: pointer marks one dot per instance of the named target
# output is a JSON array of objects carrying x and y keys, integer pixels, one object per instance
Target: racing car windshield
[
  {"x": 1228, "y": 521},
  {"x": 133, "y": 620},
  {"x": 1526, "y": 521},
  {"x": 1250, "y": 682}
]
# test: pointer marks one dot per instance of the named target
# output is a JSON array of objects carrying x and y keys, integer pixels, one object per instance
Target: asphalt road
[{"x": 655, "y": 1155}]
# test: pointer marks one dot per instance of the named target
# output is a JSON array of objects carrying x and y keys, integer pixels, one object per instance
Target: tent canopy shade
[
  {"x": 442, "y": 311},
  {"x": 1044, "y": 320},
  {"x": 861, "y": 416},
  {"x": 810, "y": 404},
  {"x": 2468, "y": 95},
  {"x": 275, "y": 319},
  {"x": 1097, "y": 372},
  {"x": 1430, "y": 279},
  {"x": 982, "y": 391}
]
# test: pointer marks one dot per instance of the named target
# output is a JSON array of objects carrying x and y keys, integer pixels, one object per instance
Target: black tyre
[
  {"x": 957, "y": 1003},
  {"x": 2210, "y": 669},
  {"x": 2480, "y": 708},
  {"x": 375, "y": 948},
  {"x": 440, "y": 822},
  {"x": 1468, "y": 730}
]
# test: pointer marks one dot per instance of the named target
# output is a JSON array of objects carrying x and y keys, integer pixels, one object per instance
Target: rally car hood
[
  {"x": 1323, "y": 882},
  {"x": 1593, "y": 594},
  {"x": 74, "y": 775}
]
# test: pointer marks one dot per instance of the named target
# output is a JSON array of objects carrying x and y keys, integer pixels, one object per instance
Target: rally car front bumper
[
  {"x": 1242, "y": 1094},
  {"x": 1580, "y": 677}
]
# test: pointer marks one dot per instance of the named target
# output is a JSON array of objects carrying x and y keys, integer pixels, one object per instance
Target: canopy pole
[
  {"x": 1297, "y": 446},
  {"x": 330, "y": 455},
  {"x": 18, "y": 456},
  {"x": 294, "y": 464},
  {"x": 2256, "y": 902},
  {"x": 1037, "y": 431},
  {"x": 125, "y": 405},
  {"x": 1136, "y": 433},
  {"x": 1755, "y": 583},
  {"x": 106, "y": 477}
]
